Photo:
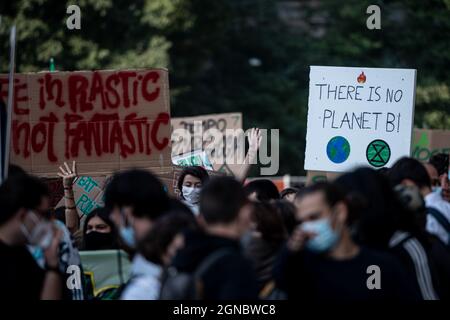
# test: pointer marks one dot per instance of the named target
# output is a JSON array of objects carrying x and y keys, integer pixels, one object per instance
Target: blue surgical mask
[
  {"x": 325, "y": 237},
  {"x": 437, "y": 189},
  {"x": 127, "y": 235}
]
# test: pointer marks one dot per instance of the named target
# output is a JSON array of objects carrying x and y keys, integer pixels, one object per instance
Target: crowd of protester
[{"x": 369, "y": 234}]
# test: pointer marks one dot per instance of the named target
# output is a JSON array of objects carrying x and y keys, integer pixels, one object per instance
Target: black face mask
[{"x": 98, "y": 241}]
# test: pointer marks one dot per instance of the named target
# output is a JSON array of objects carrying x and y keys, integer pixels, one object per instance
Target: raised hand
[
  {"x": 254, "y": 140},
  {"x": 68, "y": 174}
]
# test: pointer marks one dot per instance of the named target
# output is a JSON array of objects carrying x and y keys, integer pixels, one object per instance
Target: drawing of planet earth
[{"x": 338, "y": 149}]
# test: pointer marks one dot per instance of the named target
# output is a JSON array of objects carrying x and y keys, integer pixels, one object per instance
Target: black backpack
[
  {"x": 177, "y": 285},
  {"x": 440, "y": 218}
]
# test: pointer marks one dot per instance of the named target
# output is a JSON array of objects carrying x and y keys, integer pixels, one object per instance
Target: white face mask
[
  {"x": 42, "y": 233},
  {"x": 191, "y": 194}
]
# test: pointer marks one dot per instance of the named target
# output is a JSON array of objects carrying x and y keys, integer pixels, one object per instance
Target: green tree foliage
[
  {"x": 210, "y": 48},
  {"x": 114, "y": 34}
]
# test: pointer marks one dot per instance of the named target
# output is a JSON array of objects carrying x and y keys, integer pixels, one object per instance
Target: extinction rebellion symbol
[{"x": 378, "y": 153}]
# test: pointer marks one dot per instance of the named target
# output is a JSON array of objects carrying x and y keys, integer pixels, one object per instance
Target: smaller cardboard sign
[
  {"x": 199, "y": 129},
  {"x": 427, "y": 143},
  {"x": 103, "y": 272},
  {"x": 195, "y": 158},
  {"x": 88, "y": 192},
  {"x": 56, "y": 189}
]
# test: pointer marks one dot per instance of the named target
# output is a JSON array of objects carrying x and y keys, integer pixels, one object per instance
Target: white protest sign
[{"x": 358, "y": 117}]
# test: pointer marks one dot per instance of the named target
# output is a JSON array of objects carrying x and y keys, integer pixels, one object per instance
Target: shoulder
[
  {"x": 434, "y": 200},
  {"x": 142, "y": 288},
  {"x": 380, "y": 258}
]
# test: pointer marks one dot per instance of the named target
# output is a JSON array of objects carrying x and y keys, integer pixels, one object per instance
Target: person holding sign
[{"x": 68, "y": 175}]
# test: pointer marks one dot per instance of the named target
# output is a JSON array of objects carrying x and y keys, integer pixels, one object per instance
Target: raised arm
[
  {"x": 254, "y": 141},
  {"x": 68, "y": 175}
]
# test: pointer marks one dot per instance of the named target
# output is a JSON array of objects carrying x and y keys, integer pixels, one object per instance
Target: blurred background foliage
[{"x": 251, "y": 56}]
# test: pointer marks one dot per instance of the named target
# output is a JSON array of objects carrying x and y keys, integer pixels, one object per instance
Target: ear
[
  {"x": 201, "y": 221},
  {"x": 341, "y": 212},
  {"x": 21, "y": 213}
]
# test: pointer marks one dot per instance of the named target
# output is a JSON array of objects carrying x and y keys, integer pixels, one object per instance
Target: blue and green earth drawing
[{"x": 338, "y": 149}]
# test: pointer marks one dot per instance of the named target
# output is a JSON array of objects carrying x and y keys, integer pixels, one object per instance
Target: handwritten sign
[
  {"x": 105, "y": 120},
  {"x": 198, "y": 129},
  {"x": 358, "y": 117},
  {"x": 88, "y": 193}
]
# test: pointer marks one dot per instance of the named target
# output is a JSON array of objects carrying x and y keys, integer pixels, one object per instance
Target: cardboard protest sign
[
  {"x": 195, "y": 158},
  {"x": 88, "y": 193},
  {"x": 358, "y": 117},
  {"x": 198, "y": 127},
  {"x": 105, "y": 120},
  {"x": 427, "y": 143},
  {"x": 103, "y": 272},
  {"x": 56, "y": 190}
]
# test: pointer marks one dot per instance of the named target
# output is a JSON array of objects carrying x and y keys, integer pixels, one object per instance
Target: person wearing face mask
[
  {"x": 441, "y": 162},
  {"x": 322, "y": 262},
  {"x": 156, "y": 251},
  {"x": 190, "y": 184},
  {"x": 409, "y": 171},
  {"x": 99, "y": 232},
  {"x": 135, "y": 199},
  {"x": 24, "y": 202}
]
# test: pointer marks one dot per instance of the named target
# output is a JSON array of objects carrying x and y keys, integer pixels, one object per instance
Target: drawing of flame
[{"x": 361, "y": 78}]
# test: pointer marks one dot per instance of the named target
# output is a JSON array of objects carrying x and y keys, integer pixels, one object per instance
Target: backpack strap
[
  {"x": 210, "y": 260},
  {"x": 440, "y": 218},
  {"x": 207, "y": 263}
]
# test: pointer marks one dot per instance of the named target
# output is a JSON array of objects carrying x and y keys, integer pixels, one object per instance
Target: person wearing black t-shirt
[
  {"x": 24, "y": 200},
  {"x": 321, "y": 261}
]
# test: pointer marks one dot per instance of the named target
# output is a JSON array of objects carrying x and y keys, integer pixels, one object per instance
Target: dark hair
[
  {"x": 221, "y": 200},
  {"x": 380, "y": 211},
  {"x": 265, "y": 189},
  {"x": 287, "y": 212},
  {"x": 103, "y": 214},
  {"x": 440, "y": 162},
  {"x": 155, "y": 243},
  {"x": 333, "y": 194},
  {"x": 196, "y": 171},
  {"x": 268, "y": 222},
  {"x": 15, "y": 170},
  {"x": 20, "y": 191},
  {"x": 288, "y": 191},
  {"x": 412, "y": 169},
  {"x": 177, "y": 206},
  {"x": 60, "y": 214},
  {"x": 139, "y": 189},
  {"x": 384, "y": 170}
]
